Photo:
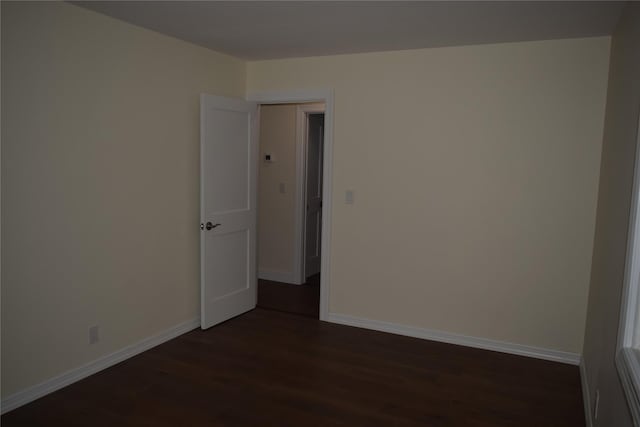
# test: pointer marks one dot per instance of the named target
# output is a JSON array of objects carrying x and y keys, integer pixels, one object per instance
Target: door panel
[
  {"x": 228, "y": 168},
  {"x": 232, "y": 167},
  {"x": 232, "y": 275}
]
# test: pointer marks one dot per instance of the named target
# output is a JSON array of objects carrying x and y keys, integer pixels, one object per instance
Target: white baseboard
[
  {"x": 447, "y": 337},
  {"x": 586, "y": 399},
  {"x": 34, "y": 392},
  {"x": 279, "y": 276},
  {"x": 49, "y": 386}
]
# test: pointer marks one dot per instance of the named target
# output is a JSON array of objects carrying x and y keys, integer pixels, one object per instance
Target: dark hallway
[{"x": 296, "y": 299}]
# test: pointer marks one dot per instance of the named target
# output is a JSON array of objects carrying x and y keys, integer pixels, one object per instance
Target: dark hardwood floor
[
  {"x": 269, "y": 368},
  {"x": 297, "y": 299}
]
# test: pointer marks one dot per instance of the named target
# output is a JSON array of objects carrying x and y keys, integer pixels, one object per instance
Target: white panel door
[
  {"x": 228, "y": 166},
  {"x": 313, "y": 220}
]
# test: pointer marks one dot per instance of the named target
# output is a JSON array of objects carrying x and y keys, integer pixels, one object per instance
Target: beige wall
[
  {"x": 100, "y": 183},
  {"x": 614, "y": 202},
  {"x": 276, "y": 222},
  {"x": 475, "y": 171}
]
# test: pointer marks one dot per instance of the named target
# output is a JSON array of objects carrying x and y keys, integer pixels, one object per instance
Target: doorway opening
[{"x": 290, "y": 206}]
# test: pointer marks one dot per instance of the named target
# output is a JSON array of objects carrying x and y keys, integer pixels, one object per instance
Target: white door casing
[
  {"x": 313, "y": 187},
  {"x": 228, "y": 168},
  {"x": 302, "y": 112},
  {"x": 325, "y": 96}
]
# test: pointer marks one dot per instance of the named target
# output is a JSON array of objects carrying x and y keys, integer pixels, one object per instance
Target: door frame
[
  {"x": 302, "y": 136},
  {"x": 308, "y": 96}
]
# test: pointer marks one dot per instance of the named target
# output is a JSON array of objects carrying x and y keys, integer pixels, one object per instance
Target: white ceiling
[{"x": 265, "y": 29}]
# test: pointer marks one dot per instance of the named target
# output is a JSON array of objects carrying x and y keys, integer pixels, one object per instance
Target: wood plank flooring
[
  {"x": 297, "y": 299},
  {"x": 268, "y": 368}
]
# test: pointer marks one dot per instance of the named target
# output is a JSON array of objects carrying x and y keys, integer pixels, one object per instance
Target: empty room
[{"x": 370, "y": 213}]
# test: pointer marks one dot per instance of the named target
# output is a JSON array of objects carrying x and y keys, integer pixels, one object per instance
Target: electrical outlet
[
  {"x": 94, "y": 335},
  {"x": 596, "y": 403}
]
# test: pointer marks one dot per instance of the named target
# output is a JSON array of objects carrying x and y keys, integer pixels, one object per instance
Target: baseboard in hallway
[{"x": 296, "y": 299}]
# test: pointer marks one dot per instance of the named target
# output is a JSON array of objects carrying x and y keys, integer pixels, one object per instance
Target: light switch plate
[{"x": 349, "y": 197}]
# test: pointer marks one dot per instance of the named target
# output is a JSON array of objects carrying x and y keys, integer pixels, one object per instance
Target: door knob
[{"x": 211, "y": 226}]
